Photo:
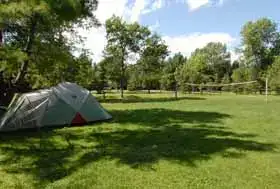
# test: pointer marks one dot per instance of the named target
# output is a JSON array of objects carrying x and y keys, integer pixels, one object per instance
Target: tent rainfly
[{"x": 64, "y": 104}]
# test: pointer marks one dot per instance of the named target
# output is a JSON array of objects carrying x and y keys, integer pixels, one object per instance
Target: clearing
[{"x": 219, "y": 141}]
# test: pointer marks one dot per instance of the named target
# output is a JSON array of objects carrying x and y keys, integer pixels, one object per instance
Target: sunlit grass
[{"x": 154, "y": 141}]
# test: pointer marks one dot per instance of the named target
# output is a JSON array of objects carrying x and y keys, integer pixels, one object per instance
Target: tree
[
  {"x": 150, "y": 61},
  {"x": 239, "y": 75},
  {"x": 33, "y": 30},
  {"x": 217, "y": 60},
  {"x": 235, "y": 65},
  {"x": 261, "y": 42},
  {"x": 134, "y": 77},
  {"x": 243, "y": 74},
  {"x": 122, "y": 39},
  {"x": 273, "y": 75},
  {"x": 170, "y": 69},
  {"x": 83, "y": 71},
  {"x": 100, "y": 81},
  {"x": 226, "y": 80},
  {"x": 194, "y": 71}
]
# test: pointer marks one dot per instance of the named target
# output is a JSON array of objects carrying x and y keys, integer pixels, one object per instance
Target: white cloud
[
  {"x": 137, "y": 9},
  {"x": 195, "y": 4},
  {"x": 142, "y": 7},
  {"x": 96, "y": 37},
  {"x": 186, "y": 44},
  {"x": 156, "y": 4},
  {"x": 132, "y": 11}
]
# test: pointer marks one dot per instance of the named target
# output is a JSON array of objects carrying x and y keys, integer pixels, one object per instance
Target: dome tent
[{"x": 64, "y": 104}]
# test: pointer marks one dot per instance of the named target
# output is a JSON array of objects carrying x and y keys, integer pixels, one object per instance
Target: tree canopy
[
  {"x": 33, "y": 45},
  {"x": 36, "y": 52}
]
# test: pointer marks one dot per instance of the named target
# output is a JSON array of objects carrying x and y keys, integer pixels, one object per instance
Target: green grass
[{"x": 218, "y": 141}]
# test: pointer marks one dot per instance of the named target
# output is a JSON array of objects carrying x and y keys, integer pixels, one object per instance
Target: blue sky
[
  {"x": 184, "y": 24},
  {"x": 228, "y": 17}
]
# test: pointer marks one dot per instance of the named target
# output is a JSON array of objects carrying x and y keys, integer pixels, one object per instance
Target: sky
[{"x": 184, "y": 24}]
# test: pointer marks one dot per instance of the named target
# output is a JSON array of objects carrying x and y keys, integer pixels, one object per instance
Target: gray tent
[{"x": 64, "y": 104}]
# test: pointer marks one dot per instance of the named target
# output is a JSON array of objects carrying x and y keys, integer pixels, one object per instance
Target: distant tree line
[
  {"x": 35, "y": 53},
  {"x": 157, "y": 68}
]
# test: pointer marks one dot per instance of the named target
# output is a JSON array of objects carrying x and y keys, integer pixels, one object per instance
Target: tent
[{"x": 64, "y": 104}]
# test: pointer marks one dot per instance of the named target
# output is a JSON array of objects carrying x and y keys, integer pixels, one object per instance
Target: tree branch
[{"x": 23, "y": 69}]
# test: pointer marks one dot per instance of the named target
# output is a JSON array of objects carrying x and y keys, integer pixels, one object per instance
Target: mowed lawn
[{"x": 218, "y": 141}]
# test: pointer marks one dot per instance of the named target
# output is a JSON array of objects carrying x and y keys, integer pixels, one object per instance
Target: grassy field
[{"x": 218, "y": 141}]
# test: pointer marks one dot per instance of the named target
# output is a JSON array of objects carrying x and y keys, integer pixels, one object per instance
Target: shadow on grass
[
  {"x": 136, "y": 99},
  {"x": 161, "y": 135},
  {"x": 159, "y": 117},
  {"x": 184, "y": 145}
]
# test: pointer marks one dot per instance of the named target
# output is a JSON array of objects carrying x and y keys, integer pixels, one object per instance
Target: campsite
[
  {"x": 158, "y": 142},
  {"x": 116, "y": 94}
]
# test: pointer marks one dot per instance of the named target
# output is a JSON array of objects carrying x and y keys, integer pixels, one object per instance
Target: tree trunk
[
  {"x": 23, "y": 68},
  {"x": 17, "y": 84},
  {"x": 122, "y": 72},
  {"x": 122, "y": 80},
  {"x": 176, "y": 91},
  {"x": 1, "y": 37},
  {"x": 121, "y": 88}
]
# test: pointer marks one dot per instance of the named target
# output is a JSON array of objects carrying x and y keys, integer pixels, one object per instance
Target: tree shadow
[
  {"x": 185, "y": 145},
  {"x": 160, "y": 134},
  {"x": 138, "y": 99},
  {"x": 159, "y": 117}
]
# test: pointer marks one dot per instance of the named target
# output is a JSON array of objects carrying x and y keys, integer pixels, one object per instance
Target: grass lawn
[{"x": 218, "y": 141}]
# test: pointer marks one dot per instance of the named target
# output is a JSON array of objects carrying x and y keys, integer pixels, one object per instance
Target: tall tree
[
  {"x": 134, "y": 77},
  {"x": 260, "y": 40},
  {"x": 217, "y": 59},
  {"x": 33, "y": 28},
  {"x": 195, "y": 70},
  {"x": 100, "y": 77},
  {"x": 273, "y": 75},
  {"x": 151, "y": 59},
  {"x": 168, "y": 79},
  {"x": 122, "y": 39}
]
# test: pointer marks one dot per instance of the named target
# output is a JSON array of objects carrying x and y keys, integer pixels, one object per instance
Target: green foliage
[
  {"x": 10, "y": 60},
  {"x": 208, "y": 65},
  {"x": 273, "y": 75},
  {"x": 37, "y": 52},
  {"x": 123, "y": 39},
  {"x": 261, "y": 40},
  {"x": 35, "y": 27},
  {"x": 100, "y": 79},
  {"x": 168, "y": 79},
  {"x": 135, "y": 78},
  {"x": 194, "y": 70},
  {"x": 150, "y": 62},
  {"x": 226, "y": 80}
]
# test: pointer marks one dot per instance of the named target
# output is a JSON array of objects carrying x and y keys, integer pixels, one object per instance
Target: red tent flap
[{"x": 78, "y": 120}]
